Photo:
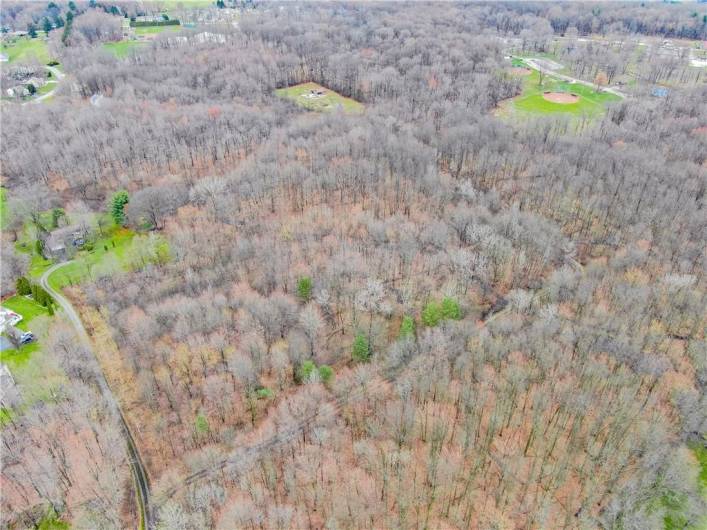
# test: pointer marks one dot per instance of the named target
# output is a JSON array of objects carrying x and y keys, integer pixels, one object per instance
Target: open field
[
  {"x": 108, "y": 252},
  {"x": 25, "y": 48},
  {"x": 303, "y": 96},
  {"x": 153, "y": 30},
  {"x": 533, "y": 99},
  {"x": 123, "y": 48}
]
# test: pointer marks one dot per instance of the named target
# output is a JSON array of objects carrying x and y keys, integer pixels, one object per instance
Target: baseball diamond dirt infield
[{"x": 561, "y": 97}]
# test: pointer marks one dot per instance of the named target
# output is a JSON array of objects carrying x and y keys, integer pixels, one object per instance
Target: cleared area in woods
[{"x": 313, "y": 96}]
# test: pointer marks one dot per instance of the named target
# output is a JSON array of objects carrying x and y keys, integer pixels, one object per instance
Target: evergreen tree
[
  {"x": 304, "y": 288},
  {"x": 431, "y": 314},
  {"x": 23, "y": 286},
  {"x": 326, "y": 374},
  {"x": 117, "y": 206},
  {"x": 361, "y": 350},
  {"x": 450, "y": 309}
]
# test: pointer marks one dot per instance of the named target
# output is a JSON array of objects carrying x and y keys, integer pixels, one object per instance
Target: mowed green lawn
[
  {"x": 531, "y": 100},
  {"x": 152, "y": 30},
  {"x": 25, "y": 306},
  {"x": 29, "y": 309},
  {"x": 109, "y": 253},
  {"x": 24, "y": 48},
  {"x": 328, "y": 102},
  {"x": 123, "y": 48}
]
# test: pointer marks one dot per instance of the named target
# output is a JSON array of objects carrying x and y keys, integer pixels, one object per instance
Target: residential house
[
  {"x": 17, "y": 91},
  {"x": 61, "y": 244},
  {"x": 8, "y": 318}
]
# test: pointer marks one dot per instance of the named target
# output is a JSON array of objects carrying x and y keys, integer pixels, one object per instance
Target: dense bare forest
[{"x": 421, "y": 315}]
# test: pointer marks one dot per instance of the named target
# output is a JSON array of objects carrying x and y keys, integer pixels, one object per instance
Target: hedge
[{"x": 145, "y": 23}]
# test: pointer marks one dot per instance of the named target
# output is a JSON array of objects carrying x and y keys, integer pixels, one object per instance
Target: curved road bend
[
  {"x": 142, "y": 484},
  {"x": 58, "y": 76}
]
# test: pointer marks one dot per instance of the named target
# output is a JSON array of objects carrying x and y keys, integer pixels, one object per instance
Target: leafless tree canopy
[{"x": 562, "y": 385}]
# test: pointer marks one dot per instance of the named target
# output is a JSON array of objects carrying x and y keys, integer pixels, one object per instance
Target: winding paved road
[
  {"x": 142, "y": 484},
  {"x": 58, "y": 76}
]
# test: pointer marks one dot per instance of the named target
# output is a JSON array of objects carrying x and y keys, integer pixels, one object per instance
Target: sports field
[{"x": 537, "y": 98}]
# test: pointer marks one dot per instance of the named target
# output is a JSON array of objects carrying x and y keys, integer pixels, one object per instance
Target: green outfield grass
[
  {"x": 531, "y": 100},
  {"x": 24, "y": 48},
  {"x": 328, "y": 102}
]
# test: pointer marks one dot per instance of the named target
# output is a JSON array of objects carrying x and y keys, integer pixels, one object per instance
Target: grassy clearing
[
  {"x": 109, "y": 253},
  {"x": 153, "y": 30},
  {"x": 531, "y": 100},
  {"x": 25, "y": 48},
  {"x": 123, "y": 48},
  {"x": 328, "y": 102}
]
